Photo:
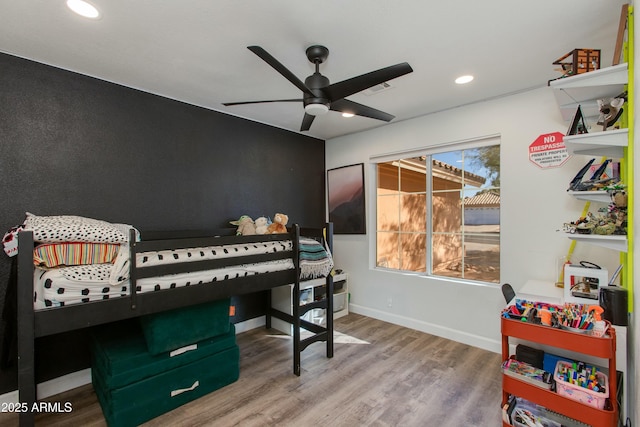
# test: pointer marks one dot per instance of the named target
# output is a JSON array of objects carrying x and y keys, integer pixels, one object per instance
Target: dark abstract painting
[{"x": 346, "y": 199}]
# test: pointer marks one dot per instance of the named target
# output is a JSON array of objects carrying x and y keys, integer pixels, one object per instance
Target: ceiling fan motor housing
[{"x": 318, "y": 104}]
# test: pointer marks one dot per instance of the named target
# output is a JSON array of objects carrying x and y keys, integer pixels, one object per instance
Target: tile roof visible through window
[
  {"x": 443, "y": 170},
  {"x": 488, "y": 199}
]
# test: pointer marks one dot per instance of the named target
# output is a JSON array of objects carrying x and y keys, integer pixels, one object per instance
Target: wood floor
[{"x": 381, "y": 375}]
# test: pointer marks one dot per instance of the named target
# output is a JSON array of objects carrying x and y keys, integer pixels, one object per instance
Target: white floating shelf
[
  {"x": 592, "y": 196},
  {"x": 584, "y": 89},
  {"x": 615, "y": 75},
  {"x": 608, "y": 143},
  {"x": 615, "y": 242}
]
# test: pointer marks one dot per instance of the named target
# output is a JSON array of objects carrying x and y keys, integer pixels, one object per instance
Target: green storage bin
[
  {"x": 134, "y": 386},
  {"x": 151, "y": 397},
  {"x": 120, "y": 353},
  {"x": 173, "y": 329}
]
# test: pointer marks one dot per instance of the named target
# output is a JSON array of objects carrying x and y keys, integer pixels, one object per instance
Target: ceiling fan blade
[
  {"x": 306, "y": 121},
  {"x": 353, "y": 85},
  {"x": 226, "y": 104},
  {"x": 266, "y": 57},
  {"x": 346, "y": 106}
]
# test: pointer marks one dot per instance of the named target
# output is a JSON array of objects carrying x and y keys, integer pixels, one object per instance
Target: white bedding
[{"x": 71, "y": 285}]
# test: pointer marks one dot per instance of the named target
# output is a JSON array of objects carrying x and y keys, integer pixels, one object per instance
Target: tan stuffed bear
[{"x": 279, "y": 224}]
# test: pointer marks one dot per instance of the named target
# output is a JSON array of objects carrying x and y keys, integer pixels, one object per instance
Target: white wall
[{"x": 534, "y": 206}]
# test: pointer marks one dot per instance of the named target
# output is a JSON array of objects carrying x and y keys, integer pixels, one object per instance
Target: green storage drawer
[
  {"x": 151, "y": 397},
  {"x": 120, "y": 353}
]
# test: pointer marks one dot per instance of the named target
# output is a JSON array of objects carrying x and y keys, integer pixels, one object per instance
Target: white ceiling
[{"x": 195, "y": 50}]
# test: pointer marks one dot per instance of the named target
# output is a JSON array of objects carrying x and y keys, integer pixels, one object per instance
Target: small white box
[
  {"x": 582, "y": 284},
  {"x": 339, "y": 301}
]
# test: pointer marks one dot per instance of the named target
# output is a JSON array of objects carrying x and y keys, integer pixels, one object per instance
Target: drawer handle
[
  {"x": 181, "y": 350},
  {"x": 182, "y": 390}
]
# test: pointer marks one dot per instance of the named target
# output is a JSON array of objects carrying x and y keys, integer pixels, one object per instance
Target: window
[{"x": 438, "y": 213}]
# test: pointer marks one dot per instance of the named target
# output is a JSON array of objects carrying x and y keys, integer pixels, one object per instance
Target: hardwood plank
[{"x": 381, "y": 375}]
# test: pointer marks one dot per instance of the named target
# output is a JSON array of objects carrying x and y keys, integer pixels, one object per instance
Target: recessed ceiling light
[
  {"x": 83, "y": 8},
  {"x": 348, "y": 115},
  {"x": 464, "y": 79}
]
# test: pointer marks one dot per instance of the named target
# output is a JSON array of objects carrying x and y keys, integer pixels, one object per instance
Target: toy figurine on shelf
[
  {"x": 617, "y": 210},
  {"x": 609, "y": 220},
  {"x": 578, "y": 61},
  {"x": 578, "y": 125},
  {"x": 583, "y": 225},
  {"x": 591, "y": 224},
  {"x": 610, "y": 110},
  {"x": 598, "y": 180}
]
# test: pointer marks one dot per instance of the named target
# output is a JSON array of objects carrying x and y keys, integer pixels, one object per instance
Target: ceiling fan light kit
[
  {"x": 316, "y": 109},
  {"x": 319, "y": 95}
]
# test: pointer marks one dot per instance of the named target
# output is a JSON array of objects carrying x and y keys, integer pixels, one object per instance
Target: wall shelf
[
  {"x": 615, "y": 242},
  {"x": 615, "y": 75},
  {"x": 585, "y": 89},
  {"x": 609, "y": 143},
  {"x": 591, "y": 196}
]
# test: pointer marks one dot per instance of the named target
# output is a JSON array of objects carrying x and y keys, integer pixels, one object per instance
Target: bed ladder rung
[{"x": 322, "y": 336}]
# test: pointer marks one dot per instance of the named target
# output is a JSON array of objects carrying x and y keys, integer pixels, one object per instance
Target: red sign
[{"x": 548, "y": 150}]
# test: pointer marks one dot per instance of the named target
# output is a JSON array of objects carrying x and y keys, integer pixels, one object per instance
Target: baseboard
[
  {"x": 54, "y": 386},
  {"x": 429, "y": 328},
  {"x": 83, "y": 377},
  {"x": 247, "y": 325},
  {"x": 10, "y": 397}
]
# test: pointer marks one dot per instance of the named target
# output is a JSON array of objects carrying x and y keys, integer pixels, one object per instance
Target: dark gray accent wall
[{"x": 75, "y": 145}]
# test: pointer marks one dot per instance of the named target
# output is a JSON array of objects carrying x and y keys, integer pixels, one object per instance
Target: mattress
[
  {"x": 62, "y": 286},
  {"x": 71, "y": 285}
]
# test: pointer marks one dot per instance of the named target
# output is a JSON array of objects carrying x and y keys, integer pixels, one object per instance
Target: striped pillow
[{"x": 77, "y": 253}]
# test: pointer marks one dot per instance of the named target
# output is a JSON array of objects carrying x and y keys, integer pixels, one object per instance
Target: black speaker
[{"x": 614, "y": 300}]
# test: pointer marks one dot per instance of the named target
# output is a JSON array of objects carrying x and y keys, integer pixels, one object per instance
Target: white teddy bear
[{"x": 261, "y": 225}]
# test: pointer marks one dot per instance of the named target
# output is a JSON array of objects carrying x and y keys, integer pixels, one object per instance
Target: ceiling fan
[{"x": 319, "y": 96}]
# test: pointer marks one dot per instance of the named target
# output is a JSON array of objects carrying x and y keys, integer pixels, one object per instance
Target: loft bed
[{"x": 146, "y": 292}]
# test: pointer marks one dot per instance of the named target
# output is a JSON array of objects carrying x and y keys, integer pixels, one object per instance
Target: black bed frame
[{"x": 33, "y": 324}]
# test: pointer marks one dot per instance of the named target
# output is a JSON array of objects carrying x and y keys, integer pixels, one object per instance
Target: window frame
[{"x": 468, "y": 144}]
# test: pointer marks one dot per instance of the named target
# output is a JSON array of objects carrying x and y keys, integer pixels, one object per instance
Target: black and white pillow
[{"x": 70, "y": 228}]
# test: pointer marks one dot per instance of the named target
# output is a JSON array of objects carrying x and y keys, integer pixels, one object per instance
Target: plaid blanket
[{"x": 315, "y": 260}]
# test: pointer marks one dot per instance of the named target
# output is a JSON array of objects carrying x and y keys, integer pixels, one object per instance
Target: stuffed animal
[
  {"x": 261, "y": 225},
  {"x": 279, "y": 224},
  {"x": 246, "y": 226}
]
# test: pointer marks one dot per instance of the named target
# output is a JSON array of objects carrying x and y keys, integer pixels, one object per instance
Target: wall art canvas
[{"x": 346, "y": 199}]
